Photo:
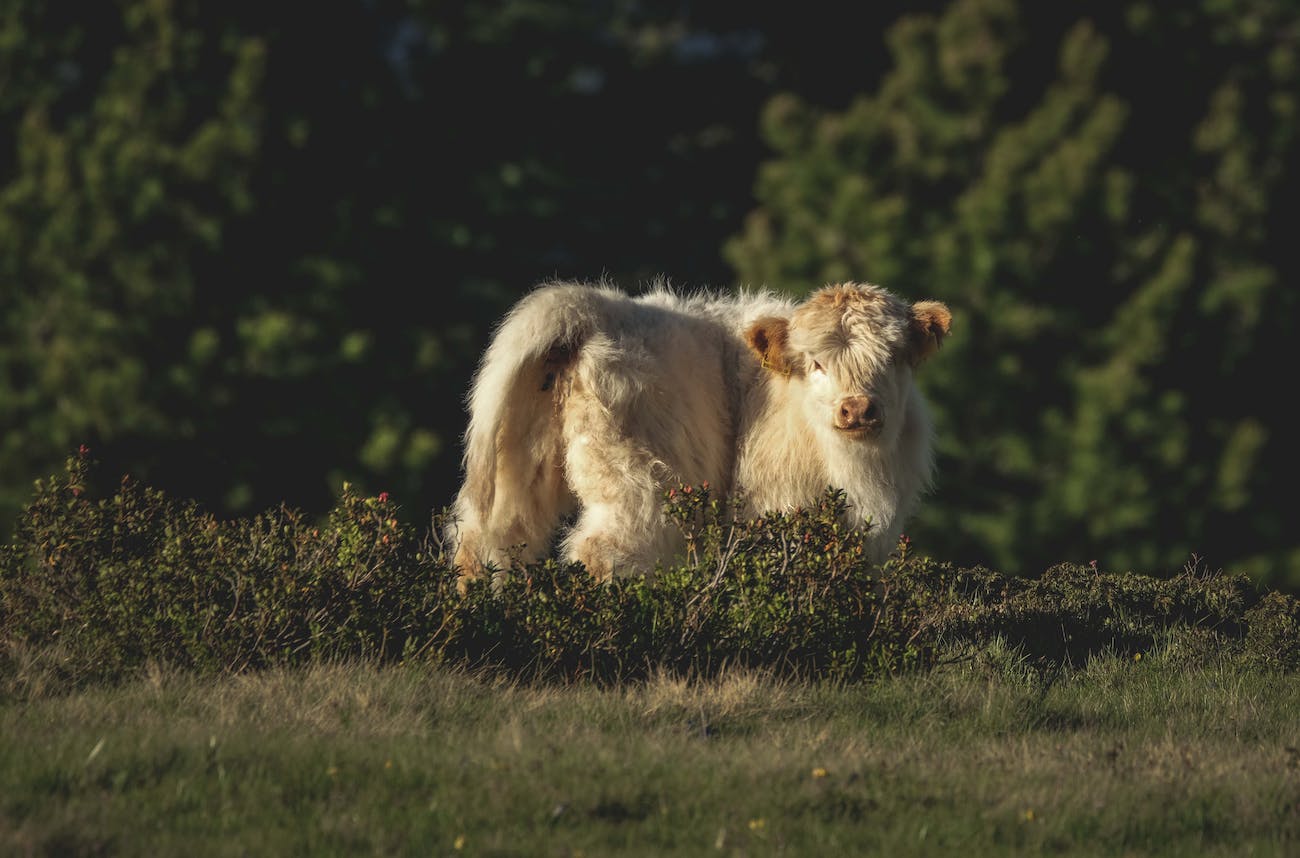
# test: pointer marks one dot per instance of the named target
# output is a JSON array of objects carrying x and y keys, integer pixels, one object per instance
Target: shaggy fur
[{"x": 592, "y": 402}]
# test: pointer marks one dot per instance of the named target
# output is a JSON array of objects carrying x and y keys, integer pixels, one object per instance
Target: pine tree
[{"x": 1105, "y": 199}]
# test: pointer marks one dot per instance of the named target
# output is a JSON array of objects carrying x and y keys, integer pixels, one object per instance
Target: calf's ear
[
  {"x": 769, "y": 338},
  {"x": 931, "y": 322}
]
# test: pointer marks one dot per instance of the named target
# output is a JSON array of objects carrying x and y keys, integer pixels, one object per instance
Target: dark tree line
[{"x": 251, "y": 250}]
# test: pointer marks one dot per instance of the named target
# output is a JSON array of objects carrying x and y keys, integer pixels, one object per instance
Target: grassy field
[
  {"x": 882, "y": 712},
  {"x": 1153, "y": 756}
]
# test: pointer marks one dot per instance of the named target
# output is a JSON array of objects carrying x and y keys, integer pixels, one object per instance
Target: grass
[
  {"x": 328, "y": 692},
  {"x": 1166, "y": 755}
]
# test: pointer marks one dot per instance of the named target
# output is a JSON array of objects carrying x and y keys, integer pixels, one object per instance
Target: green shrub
[
  {"x": 791, "y": 590},
  {"x": 103, "y": 586},
  {"x": 138, "y": 576}
]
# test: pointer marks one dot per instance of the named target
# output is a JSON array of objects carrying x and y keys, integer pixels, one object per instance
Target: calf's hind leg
[
  {"x": 529, "y": 498},
  {"x": 620, "y": 528}
]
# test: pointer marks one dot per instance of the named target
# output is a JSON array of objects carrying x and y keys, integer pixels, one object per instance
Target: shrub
[{"x": 103, "y": 586}]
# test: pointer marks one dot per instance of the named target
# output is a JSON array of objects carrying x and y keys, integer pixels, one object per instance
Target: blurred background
[{"x": 249, "y": 250}]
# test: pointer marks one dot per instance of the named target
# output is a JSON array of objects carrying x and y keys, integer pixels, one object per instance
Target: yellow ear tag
[{"x": 766, "y": 365}]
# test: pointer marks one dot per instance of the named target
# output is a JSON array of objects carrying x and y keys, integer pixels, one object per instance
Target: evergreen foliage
[
  {"x": 221, "y": 224},
  {"x": 215, "y": 222},
  {"x": 1106, "y": 201}
]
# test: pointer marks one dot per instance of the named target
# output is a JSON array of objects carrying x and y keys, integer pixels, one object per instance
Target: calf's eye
[{"x": 817, "y": 367}]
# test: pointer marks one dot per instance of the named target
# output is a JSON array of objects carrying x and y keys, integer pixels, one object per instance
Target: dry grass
[{"x": 984, "y": 757}]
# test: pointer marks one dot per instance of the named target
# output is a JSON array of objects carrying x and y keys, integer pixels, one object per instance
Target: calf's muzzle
[{"x": 858, "y": 414}]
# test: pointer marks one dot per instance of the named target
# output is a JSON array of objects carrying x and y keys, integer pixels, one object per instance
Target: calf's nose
[{"x": 857, "y": 412}]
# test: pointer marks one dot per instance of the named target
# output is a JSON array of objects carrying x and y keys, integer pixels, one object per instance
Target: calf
[{"x": 591, "y": 402}]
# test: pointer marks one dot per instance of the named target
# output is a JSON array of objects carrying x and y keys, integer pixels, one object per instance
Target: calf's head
[{"x": 849, "y": 352}]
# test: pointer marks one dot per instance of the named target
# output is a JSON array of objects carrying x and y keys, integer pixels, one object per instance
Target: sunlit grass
[
  {"x": 327, "y": 692},
  {"x": 984, "y": 756}
]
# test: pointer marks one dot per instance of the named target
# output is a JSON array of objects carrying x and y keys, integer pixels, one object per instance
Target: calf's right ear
[
  {"x": 931, "y": 321},
  {"x": 769, "y": 338}
]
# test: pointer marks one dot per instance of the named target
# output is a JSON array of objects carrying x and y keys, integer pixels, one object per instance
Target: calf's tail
[{"x": 513, "y": 487}]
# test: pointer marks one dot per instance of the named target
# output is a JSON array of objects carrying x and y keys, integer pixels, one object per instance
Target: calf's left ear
[
  {"x": 930, "y": 324},
  {"x": 769, "y": 338}
]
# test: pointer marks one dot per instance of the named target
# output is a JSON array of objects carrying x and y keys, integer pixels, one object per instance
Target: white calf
[{"x": 593, "y": 402}]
